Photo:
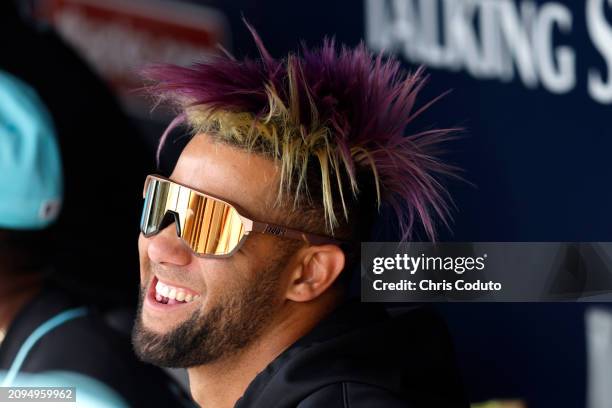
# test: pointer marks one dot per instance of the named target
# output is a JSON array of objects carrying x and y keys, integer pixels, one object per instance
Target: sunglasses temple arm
[{"x": 280, "y": 231}]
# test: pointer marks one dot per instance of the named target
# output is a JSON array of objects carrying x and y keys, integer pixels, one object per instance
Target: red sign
[{"x": 120, "y": 37}]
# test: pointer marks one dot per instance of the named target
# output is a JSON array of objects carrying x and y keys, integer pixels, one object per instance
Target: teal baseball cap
[{"x": 31, "y": 179}]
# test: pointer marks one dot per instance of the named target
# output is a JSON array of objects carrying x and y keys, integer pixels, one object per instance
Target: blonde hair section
[{"x": 280, "y": 135}]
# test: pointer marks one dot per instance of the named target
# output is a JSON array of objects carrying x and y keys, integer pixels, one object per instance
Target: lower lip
[{"x": 152, "y": 303}]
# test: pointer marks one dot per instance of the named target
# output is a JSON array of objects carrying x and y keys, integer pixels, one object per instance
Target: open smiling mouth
[{"x": 164, "y": 293}]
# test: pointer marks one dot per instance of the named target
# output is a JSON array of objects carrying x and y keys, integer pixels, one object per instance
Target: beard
[{"x": 234, "y": 322}]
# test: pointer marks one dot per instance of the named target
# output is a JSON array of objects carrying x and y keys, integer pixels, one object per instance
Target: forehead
[{"x": 246, "y": 179}]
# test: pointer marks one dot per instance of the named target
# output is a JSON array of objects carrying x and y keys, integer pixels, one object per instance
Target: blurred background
[{"x": 531, "y": 85}]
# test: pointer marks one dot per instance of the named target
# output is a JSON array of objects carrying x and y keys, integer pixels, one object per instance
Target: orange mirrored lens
[{"x": 207, "y": 225}]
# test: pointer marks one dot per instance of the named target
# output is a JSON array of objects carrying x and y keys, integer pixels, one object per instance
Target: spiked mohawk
[{"x": 343, "y": 111}]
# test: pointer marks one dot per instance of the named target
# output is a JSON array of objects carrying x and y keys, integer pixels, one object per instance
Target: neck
[{"x": 220, "y": 384}]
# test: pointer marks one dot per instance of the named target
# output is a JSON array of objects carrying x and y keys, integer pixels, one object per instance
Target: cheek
[
  {"x": 258, "y": 250},
  {"x": 224, "y": 278},
  {"x": 142, "y": 242},
  {"x": 219, "y": 276},
  {"x": 144, "y": 259}
]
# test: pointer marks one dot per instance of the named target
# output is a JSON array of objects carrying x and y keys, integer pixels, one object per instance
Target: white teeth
[
  {"x": 164, "y": 291},
  {"x": 161, "y": 289},
  {"x": 172, "y": 294}
]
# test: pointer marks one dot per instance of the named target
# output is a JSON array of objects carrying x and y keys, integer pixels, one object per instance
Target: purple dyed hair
[{"x": 345, "y": 109}]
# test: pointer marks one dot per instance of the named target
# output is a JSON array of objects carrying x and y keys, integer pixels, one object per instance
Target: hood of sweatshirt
[{"x": 408, "y": 354}]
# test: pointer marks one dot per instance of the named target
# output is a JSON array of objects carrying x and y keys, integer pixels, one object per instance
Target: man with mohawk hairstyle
[{"x": 247, "y": 247}]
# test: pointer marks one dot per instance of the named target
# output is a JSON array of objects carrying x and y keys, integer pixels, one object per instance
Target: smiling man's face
[{"x": 195, "y": 310}]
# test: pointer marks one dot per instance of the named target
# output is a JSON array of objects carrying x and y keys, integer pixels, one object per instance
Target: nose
[{"x": 167, "y": 248}]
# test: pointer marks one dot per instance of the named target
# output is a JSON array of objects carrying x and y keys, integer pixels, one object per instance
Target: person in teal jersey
[{"x": 47, "y": 336}]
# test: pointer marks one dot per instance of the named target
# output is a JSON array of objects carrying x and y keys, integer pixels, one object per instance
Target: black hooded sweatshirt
[{"x": 360, "y": 356}]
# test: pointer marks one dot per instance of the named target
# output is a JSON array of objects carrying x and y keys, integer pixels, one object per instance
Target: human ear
[{"x": 316, "y": 269}]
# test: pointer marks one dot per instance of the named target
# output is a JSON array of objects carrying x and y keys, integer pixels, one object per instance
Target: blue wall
[{"x": 539, "y": 161}]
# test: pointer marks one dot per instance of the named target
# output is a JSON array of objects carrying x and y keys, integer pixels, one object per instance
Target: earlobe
[{"x": 317, "y": 269}]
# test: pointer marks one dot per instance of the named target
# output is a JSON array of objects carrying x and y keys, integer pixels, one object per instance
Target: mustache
[{"x": 173, "y": 274}]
